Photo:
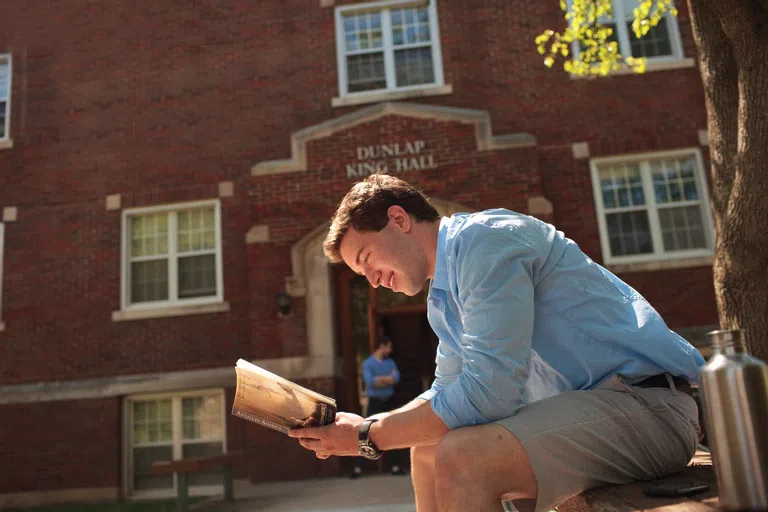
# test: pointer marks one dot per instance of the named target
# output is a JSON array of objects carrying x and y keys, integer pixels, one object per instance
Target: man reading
[{"x": 553, "y": 375}]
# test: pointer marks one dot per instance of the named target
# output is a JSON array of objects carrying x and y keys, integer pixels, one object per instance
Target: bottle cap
[{"x": 725, "y": 338}]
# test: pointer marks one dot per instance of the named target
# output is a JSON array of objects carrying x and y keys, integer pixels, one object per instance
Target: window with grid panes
[
  {"x": 652, "y": 208},
  {"x": 661, "y": 41},
  {"x": 172, "y": 428},
  {"x": 5, "y": 96},
  {"x": 173, "y": 256},
  {"x": 391, "y": 47}
]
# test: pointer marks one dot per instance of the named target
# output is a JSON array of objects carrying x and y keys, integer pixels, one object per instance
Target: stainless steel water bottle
[{"x": 734, "y": 388}]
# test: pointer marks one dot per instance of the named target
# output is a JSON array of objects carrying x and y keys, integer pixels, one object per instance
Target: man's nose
[{"x": 373, "y": 277}]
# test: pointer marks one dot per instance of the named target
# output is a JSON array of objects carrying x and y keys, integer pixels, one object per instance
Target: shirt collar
[{"x": 440, "y": 278}]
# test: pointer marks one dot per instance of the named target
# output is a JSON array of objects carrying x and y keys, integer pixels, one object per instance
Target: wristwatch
[{"x": 365, "y": 446}]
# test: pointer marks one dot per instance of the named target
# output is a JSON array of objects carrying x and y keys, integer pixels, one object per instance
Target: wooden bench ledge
[{"x": 630, "y": 497}]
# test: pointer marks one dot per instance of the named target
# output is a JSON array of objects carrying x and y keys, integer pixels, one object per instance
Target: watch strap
[
  {"x": 365, "y": 427},
  {"x": 366, "y": 447}
]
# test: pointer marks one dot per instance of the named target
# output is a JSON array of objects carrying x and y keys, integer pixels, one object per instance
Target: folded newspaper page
[{"x": 277, "y": 403}]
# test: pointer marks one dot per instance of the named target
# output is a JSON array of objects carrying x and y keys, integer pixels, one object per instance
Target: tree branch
[{"x": 743, "y": 22}]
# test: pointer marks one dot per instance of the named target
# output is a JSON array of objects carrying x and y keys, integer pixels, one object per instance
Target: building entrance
[{"x": 364, "y": 313}]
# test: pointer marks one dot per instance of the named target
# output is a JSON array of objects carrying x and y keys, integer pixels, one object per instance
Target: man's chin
[{"x": 411, "y": 291}]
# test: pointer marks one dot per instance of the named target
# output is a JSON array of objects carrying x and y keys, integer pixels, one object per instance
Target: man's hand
[{"x": 338, "y": 439}]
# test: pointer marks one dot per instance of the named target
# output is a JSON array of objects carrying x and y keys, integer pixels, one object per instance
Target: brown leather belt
[{"x": 660, "y": 381}]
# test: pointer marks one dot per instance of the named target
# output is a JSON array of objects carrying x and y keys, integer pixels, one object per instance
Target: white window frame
[
  {"x": 177, "y": 441},
  {"x": 388, "y": 49},
  {"x": 6, "y": 137},
  {"x": 2, "y": 261},
  {"x": 623, "y": 35},
  {"x": 173, "y": 300},
  {"x": 650, "y": 206}
]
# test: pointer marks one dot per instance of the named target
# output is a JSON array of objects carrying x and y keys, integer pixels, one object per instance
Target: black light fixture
[{"x": 284, "y": 303}]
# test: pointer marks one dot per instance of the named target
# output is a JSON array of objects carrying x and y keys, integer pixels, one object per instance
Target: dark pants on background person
[{"x": 392, "y": 458}]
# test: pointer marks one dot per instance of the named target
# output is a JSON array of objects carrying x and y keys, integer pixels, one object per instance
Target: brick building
[{"x": 168, "y": 169}]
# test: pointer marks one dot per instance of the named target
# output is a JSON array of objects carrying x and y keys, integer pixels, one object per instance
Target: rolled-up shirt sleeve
[
  {"x": 448, "y": 368},
  {"x": 496, "y": 297}
]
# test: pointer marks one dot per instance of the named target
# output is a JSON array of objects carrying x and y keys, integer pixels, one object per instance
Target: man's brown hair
[{"x": 365, "y": 208}]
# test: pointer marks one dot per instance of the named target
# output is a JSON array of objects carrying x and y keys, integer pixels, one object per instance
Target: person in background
[{"x": 380, "y": 375}]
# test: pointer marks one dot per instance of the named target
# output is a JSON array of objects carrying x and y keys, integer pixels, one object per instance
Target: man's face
[{"x": 391, "y": 257}]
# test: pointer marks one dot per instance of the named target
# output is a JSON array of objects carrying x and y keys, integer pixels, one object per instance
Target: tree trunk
[{"x": 732, "y": 39}]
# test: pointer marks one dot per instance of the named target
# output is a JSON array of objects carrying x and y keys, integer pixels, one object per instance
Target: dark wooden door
[
  {"x": 347, "y": 389},
  {"x": 414, "y": 346},
  {"x": 363, "y": 313}
]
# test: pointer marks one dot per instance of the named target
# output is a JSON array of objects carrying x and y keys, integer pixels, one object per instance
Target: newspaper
[{"x": 277, "y": 403}]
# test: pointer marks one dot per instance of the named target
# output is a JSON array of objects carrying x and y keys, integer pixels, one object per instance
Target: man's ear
[{"x": 400, "y": 217}]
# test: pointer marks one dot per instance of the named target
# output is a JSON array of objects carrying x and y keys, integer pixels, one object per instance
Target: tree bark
[{"x": 732, "y": 39}]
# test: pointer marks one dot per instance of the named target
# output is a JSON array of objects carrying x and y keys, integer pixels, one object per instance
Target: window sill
[
  {"x": 6, "y": 144},
  {"x": 646, "y": 266},
  {"x": 660, "y": 65},
  {"x": 142, "y": 314},
  {"x": 437, "y": 90}
]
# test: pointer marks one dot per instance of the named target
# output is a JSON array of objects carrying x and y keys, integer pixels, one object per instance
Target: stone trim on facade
[
  {"x": 665, "y": 264},
  {"x": 486, "y": 141},
  {"x": 293, "y": 368},
  {"x": 166, "y": 312},
  {"x": 346, "y": 101}
]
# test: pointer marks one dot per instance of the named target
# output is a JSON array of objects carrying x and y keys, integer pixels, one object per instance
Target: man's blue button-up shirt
[{"x": 523, "y": 314}]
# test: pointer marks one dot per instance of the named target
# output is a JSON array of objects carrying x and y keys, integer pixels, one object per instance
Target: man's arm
[
  {"x": 391, "y": 379},
  {"x": 370, "y": 378},
  {"x": 407, "y": 407},
  {"x": 496, "y": 297},
  {"x": 387, "y": 380},
  {"x": 395, "y": 373},
  {"x": 414, "y": 424}
]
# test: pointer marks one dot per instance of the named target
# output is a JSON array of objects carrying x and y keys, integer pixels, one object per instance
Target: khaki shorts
[{"x": 613, "y": 434}]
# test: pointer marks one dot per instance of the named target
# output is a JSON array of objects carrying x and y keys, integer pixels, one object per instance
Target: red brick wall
[
  {"x": 60, "y": 445},
  {"x": 161, "y": 101},
  {"x": 62, "y": 283}
]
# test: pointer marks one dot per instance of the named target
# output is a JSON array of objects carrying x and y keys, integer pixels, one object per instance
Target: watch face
[{"x": 369, "y": 452}]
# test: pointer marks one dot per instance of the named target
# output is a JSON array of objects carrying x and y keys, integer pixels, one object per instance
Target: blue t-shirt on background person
[{"x": 373, "y": 368}]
